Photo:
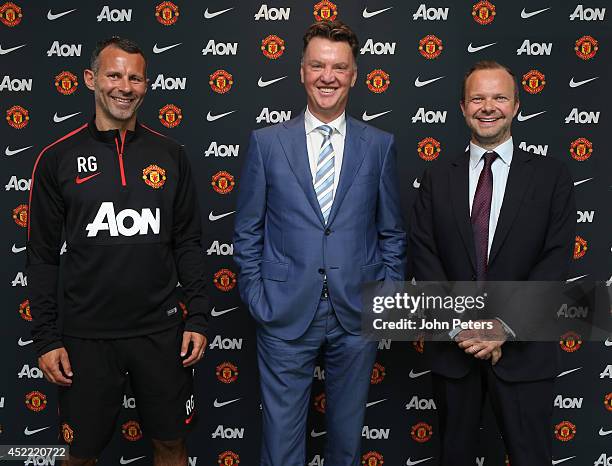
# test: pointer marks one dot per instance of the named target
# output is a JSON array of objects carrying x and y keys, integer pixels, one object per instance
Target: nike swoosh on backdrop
[
  {"x": 262, "y": 83},
  {"x": 17, "y": 250},
  {"x": 576, "y": 183},
  {"x": 208, "y": 15},
  {"x": 573, "y": 83},
  {"x": 414, "y": 375},
  {"x": 53, "y": 17},
  {"x": 5, "y": 51},
  {"x": 526, "y": 15},
  {"x": 522, "y": 117},
  {"x": 59, "y": 119},
  {"x": 366, "y": 117},
  {"x": 569, "y": 371},
  {"x": 157, "y": 49},
  {"x": 27, "y": 431},
  {"x": 211, "y": 117},
  {"x": 409, "y": 462},
  {"x": 213, "y": 218},
  {"x": 131, "y": 460},
  {"x": 419, "y": 83},
  {"x": 473, "y": 49},
  {"x": 10, "y": 152},
  {"x": 368, "y": 14},
  {"x": 220, "y": 404},
  {"x": 220, "y": 313}
]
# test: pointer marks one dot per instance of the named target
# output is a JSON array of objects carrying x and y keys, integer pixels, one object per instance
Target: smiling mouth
[
  {"x": 122, "y": 100},
  {"x": 327, "y": 90},
  {"x": 488, "y": 119}
]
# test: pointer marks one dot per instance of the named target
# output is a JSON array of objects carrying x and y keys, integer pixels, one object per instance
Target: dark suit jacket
[{"x": 534, "y": 240}]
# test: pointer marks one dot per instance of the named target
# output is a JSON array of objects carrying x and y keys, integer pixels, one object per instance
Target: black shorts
[{"x": 162, "y": 387}]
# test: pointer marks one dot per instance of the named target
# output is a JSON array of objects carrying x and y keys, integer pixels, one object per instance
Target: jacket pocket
[
  {"x": 276, "y": 271},
  {"x": 373, "y": 272}
]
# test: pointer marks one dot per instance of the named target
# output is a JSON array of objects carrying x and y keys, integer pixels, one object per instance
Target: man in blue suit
[{"x": 318, "y": 215}]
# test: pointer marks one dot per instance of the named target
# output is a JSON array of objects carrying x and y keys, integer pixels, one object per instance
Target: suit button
[
  {"x": 327, "y": 232},
  {"x": 322, "y": 271}
]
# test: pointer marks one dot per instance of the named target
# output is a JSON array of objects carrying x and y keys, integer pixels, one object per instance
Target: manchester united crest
[
  {"x": 581, "y": 149},
  {"x": 10, "y": 14},
  {"x": 17, "y": 117},
  {"x": 483, "y": 12},
  {"x": 378, "y": 374},
  {"x": 378, "y": 81},
  {"x": 131, "y": 431},
  {"x": 325, "y": 11},
  {"x": 167, "y": 13},
  {"x": 223, "y": 182},
  {"x": 170, "y": 116},
  {"x": 570, "y": 342},
  {"x": 24, "y": 310},
  {"x": 421, "y": 432},
  {"x": 36, "y": 401},
  {"x": 226, "y": 372},
  {"x": 66, "y": 83},
  {"x": 372, "y": 458},
  {"x": 154, "y": 176},
  {"x": 580, "y": 247},
  {"x": 20, "y": 215},
  {"x": 586, "y": 47},
  {"x": 320, "y": 403},
  {"x": 429, "y": 149},
  {"x": 419, "y": 345},
  {"x": 533, "y": 82},
  {"x": 221, "y": 81},
  {"x": 565, "y": 431},
  {"x": 430, "y": 47},
  {"x": 67, "y": 433},
  {"x": 272, "y": 47},
  {"x": 225, "y": 280},
  {"x": 228, "y": 458}
]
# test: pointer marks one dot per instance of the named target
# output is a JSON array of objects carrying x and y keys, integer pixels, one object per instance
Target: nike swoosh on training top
[
  {"x": 603, "y": 433},
  {"x": 27, "y": 431},
  {"x": 576, "y": 183},
  {"x": 366, "y": 117},
  {"x": 220, "y": 313},
  {"x": 522, "y": 117},
  {"x": 473, "y": 49},
  {"x": 315, "y": 434},
  {"x": 526, "y": 15},
  {"x": 409, "y": 462},
  {"x": 21, "y": 342},
  {"x": 10, "y": 152},
  {"x": 17, "y": 250},
  {"x": 419, "y": 83},
  {"x": 563, "y": 460},
  {"x": 414, "y": 375},
  {"x": 262, "y": 83},
  {"x": 157, "y": 49},
  {"x": 219, "y": 404},
  {"x": 573, "y": 83},
  {"x": 213, "y": 218},
  {"x": 87, "y": 178},
  {"x": 210, "y": 117},
  {"x": 208, "y": 15},
  {"x": 131, "y": 460},
  {"x": 569, "y": 372},
  {"x": 59, "y": 119},
  {"x": 52, "y": 17},
  {"x": 569, "y": 280},
  {"x": 12, "y": 49},
  {"x": 416, "y": 183},
  {"x": 608, "y": 342},
  {"x": 369, "y": 14},
  {"x": 372, "y": 403}
]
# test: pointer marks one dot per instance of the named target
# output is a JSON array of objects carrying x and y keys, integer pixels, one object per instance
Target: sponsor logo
[
  {"x": 131, "y": 460},
  {"x": 472, "y": 49},
  {"x": 223, "y": 182},
  {"x": 573, "y": 83},
  {"x": 27, "y": 431},
  {"x": 569, "y": 280},
  {"x": 371, "y": 433},
  {"x": 17, "y": 250},
  {"x": 167, "y": 13},
  {"x": 36, "y": 401},
  {"x": 12, "y": 49},
  {"x": 565, "y": 431},
  {"x": 273, "y": 116},
  {"x": 372, "y": 458},
  {"x": 53, "y": 16},
  {"x": 372, "y": 403},
  {"x": 227, "y": 432},
  {"x": 24, "y": 310},
  {"x": 226, "y": 372},
  {"x": 154, "y": 176},
  {"x": 420, "y": 403},
  {"x": 129, "y": 403},
  {"x": 366, "y": 117},
  {"x": 319, "y": 373},
  {"x": 10, "y": 14},
  {"x": 423, "y": 116},
  {"x": 533, "y": 82},
  {"x": 262, "y": 83},
  {"x": 370, "y": 14},
  {"x": 15, "y": 85},
  {"x": 538, "y": 150},
  {"x": 220, "y": 249},
  {"x": 79, "y": 180},
  {"x": 131, "y": 431},
  {"x": 170, "y": 115},
  {"x": 536, "y": 48},
  {"x": 22, "y": 342},
  {"x": 582, "y": 117},
  {"x": 18, "y": 184},
  {"x": 430, "y": 47},
  {"x": 378, "y": 81},
  {"x": 224, "y": 280},
  {"x": 608, "y": 401},
  {"x": 211, "y": 15},
  {"x": 272, "y": 14},
  {"x": 20, "y": 280},
  {"x": 20, "y": 215},
  {"x": 33, "y": 373},
  {"x": 378, "y": 374},
  {"x": 419, "y": 83},
  {"x": 416, "y": 184},
  {"x": 568, "y": 403},
  {"x": 563, "y": 460},
  {"x": 169, "y": 83},
  {"x": 221, "y": 81},
  {"x": 325, "y": 11},
  {"x": 570, "y": 342},
  {"x": 213, "y": 218},
  {"x": 221, "y": 404},
  {"x": 315, "y": 434},
  {"x": 320, "y": 403},
  {"x": 272, "y": 47},
  {"x": 230, "y": 150},
  {"x": 521, "y": 117},
  {"x": 585, "y": 216},
  {"x": 137, "y": 223},
  {"x": 428, "y": 149},
  {"x": 421, "y": 432},
  {"x": 581, "y": 149},
  {"x": 228, "y": 458},
  {"x": 211, "y": 117},
  {"x": 378, "y": 48},
  {"x": 189, "y": 409},
  {"x": 157, "y": 49},
  {"x": 483, "y": 12},
  {"x": 603, "y": 460},
  {"x": 226, "y": 343},
  {"x": 68, "y": 433},
  {"x": 572, "y": 312},
  {"x": 220, "y": 48},
  {"x": 8, "y": 152},
  {"x": 586, "y": 47},
  {"x": 64, "y": 50},
  {"x": 59, "y": 119},
  {"x": 580, "y": 247},
  {"x": 569, "y": 371},
  {"x": 17, "y": 117},
  {"x": 588, "y": 14},
  {"x": 603, "y": 432},
  {"x": 114, "y": 15},
  {"x": 430, "y": 14},
  {"x": 410, "y": 462},
  {"x": 215, "y": 313},
  {"x": 526, "y": 15},
  {"x": 66, "y": 83}
]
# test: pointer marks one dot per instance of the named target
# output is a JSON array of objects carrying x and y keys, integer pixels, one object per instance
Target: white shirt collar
[
  {"x": 504, "y": 151},
  {"x": 311, "y": 123}
]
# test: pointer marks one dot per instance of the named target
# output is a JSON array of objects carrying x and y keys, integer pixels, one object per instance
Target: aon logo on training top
[{"x": 127, "y": 222}]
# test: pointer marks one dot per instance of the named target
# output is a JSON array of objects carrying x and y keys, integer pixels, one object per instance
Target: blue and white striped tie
[{"x": 324, "y": 177}]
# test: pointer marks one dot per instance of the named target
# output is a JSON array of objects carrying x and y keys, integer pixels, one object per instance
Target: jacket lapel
[{"x": 459, "y": 190}]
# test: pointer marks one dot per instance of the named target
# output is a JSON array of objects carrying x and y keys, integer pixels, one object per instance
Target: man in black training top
[{"x": 125, "y": 197}]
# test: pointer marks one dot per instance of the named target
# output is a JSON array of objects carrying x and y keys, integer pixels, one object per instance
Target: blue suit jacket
[{"x": 282, "y": 244}]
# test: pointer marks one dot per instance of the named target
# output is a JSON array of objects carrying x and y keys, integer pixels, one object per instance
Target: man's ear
[{"x": 89, "y": 77}]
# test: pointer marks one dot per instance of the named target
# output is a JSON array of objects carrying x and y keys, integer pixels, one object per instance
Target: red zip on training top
[{"x": 120, "y": 154}]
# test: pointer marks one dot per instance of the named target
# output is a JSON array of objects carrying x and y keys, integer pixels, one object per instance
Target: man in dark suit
[
  {"x": 318, "y": 214},
  {"x": 496, "y": 213}
]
